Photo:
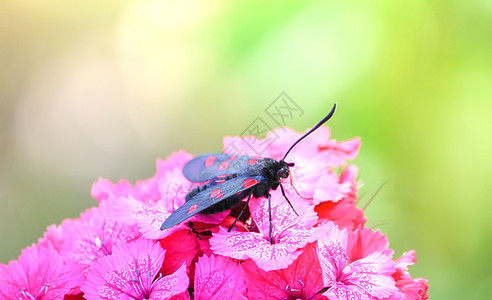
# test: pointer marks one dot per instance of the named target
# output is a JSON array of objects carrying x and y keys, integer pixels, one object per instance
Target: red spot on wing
[
  {"x": 249, "y": 182},
  {"x": 217, "y": 194},
  {"x": 252, "y": 161},
  {"x": 221, "y": 181},
  {"x": 223, "y": 165},
  {"x": 210, "y": 161},
  {"x": 233, "y": 157},
  {"x": 223, "y": 176},
  {"x": 192, "y": 208}
]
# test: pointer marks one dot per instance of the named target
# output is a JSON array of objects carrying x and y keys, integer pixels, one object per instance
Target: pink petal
[
  {"x": 243, "y": 245},
  {"x": 364, "y": 241},
  {"x": 407, "y": 259},
  {"x": 149, "y": 221},
  {"x": 349, "y": 175},
  {"x": 175, "y": 161},
  {"x": 171, "y": 285},
  {"x": 344, "y": 213},
  {"x": 331, "y": 254},
  {"x": 372, "y": 274},
  {"x": 301, "y": 280},
  {"x": 409, "y": 288},
  {"x": 344, "y": 187},
  {"x": 218, "y": 277},
  {"x": 53, "y": 236},
  {"x": 104, "y": 189},
  {"x": 181, "y": 248},
  {"x": 283, "y": 217},
  {"x": 416, "y": 289},
  {"x": 339, "y": 153},
  {"x": 328, "y": 188},
  {"x": 148, "y": 190},
  {"x": 342, "y": 291},
  {"x": 286, "y": 137}
]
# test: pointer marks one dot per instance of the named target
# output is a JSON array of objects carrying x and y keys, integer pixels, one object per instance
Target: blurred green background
[{"x": 103, "y": 88}]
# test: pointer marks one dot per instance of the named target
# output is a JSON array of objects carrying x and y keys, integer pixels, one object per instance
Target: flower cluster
[{"x": 322, "y": 250}]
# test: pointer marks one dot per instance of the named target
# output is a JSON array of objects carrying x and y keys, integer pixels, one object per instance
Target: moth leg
[
  {"x": 240, "y": 214},
  {"x": 270, "y": 217},
  {"x": 288, "y": 201}
]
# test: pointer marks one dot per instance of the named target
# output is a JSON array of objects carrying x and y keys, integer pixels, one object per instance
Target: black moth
[{"x": 230, "y": 178}]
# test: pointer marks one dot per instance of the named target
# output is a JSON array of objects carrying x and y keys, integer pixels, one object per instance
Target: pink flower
[
  {"x": 322, "y": 250},
  {"x": 39, "y": 273},
  {"x": 366, "y": 278},
  {"x": 93, "y": 236},
  {"x": 345, "y": 212},
  {"x": 301, "y": 280},
  {"x": 290, "y": 233},
  {"x": 364, "y": 241},
  {"x": 218, "y": 277},
  {"x": 409, "y": 288},
  {"x": 132, "y": 272}
]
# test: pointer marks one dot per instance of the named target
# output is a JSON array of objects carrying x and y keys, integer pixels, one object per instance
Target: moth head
[{"x": 283, "y": 172}]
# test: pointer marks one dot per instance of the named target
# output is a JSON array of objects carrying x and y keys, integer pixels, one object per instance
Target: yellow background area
[{"x": 103, "y": 88}]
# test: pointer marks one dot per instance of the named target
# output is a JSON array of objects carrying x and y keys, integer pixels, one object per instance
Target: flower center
[
  {"x": 141, "y": 287},
  {"x": 39, "y": 296},
  {"x": 297, "y": 292}
]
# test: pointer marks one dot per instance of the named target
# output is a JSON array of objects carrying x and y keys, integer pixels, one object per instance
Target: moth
[{"x": 228, "y": 179}]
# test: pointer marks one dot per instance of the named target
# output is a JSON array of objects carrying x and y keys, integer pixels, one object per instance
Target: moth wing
[
  {"x": 210, "y": 196},
  {"x": 208, "y": 166}
]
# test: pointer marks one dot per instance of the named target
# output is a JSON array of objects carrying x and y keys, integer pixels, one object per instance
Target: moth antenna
[
  {"x": 292, "y": 184},
  {"x": 288, "y": 201},
  {"x": 328, "y": 116}
]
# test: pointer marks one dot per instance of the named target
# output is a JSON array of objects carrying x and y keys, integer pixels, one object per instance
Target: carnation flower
[
  {"x": 318, "y": 248},
  {"x": 92, "y": 236},
  {"x": 39, "y": 273},
  {"x": 365, "y": 278},
  {"x": 290, "y": 233},
  {"x": 132, "y": 272},
  {"x": 302, "y": 279},
  {"x": 409, "y": 288}
]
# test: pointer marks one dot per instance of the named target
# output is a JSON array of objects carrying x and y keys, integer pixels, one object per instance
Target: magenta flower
[
  {"x": 409, "y": 288},
  {"x": 366, "y": 278},
  {"x": 290, "y": 233},
  {"x": 117, "y": 250},
  {"x": 132, "y": 272},
  {"x": 301, "y": 280},
  {"x": 92, "y": 236},
  {"x": 345, "y": 212},
  {"x": 218, "y": 277},
  {"x": 40, "y": 273}
]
